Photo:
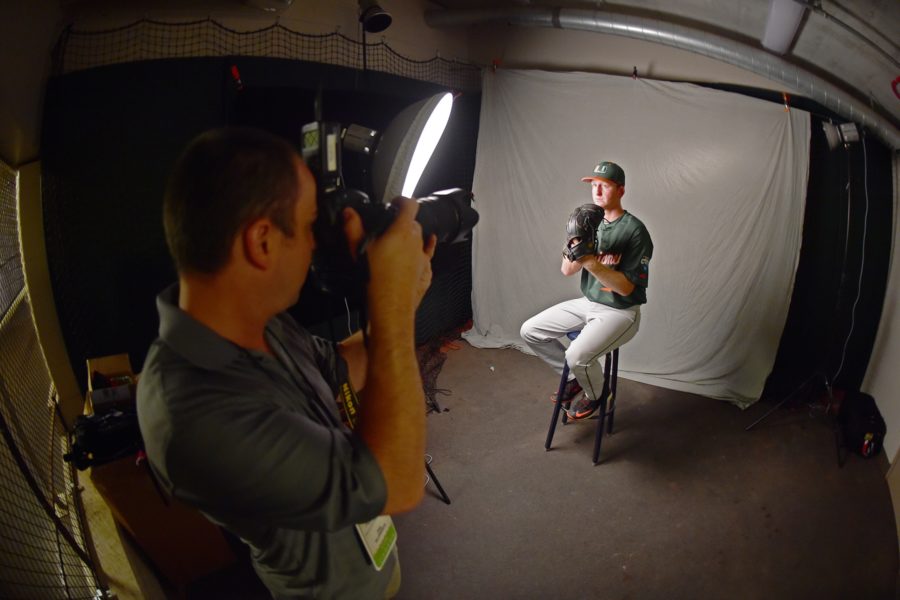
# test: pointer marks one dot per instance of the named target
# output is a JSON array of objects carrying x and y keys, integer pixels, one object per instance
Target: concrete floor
[{"x": 684, "y": 503}]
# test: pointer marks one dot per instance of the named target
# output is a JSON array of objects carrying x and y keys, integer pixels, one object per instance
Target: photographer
[
  {"x": 614, "y": 278},
  {"x": 237, "y": 403}
]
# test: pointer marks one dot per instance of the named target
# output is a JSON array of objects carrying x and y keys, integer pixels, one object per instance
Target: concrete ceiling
[{"x": 851, "y": 43}]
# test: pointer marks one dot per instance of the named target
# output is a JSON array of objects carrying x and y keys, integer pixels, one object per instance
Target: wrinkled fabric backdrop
[{"x": 718, "y": 178}]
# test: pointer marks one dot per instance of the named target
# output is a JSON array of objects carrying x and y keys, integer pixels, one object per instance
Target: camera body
[{"x": 447, "y": 214}]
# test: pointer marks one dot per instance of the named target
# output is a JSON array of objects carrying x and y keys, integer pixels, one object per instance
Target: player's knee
[
  {"x": 527, "y": 332},
  {"x": 579, "y": 356},
  {"x": 573, "y": 357}
]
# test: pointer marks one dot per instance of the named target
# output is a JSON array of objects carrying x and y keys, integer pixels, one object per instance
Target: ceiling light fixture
[{"x": 374, "y": 19}]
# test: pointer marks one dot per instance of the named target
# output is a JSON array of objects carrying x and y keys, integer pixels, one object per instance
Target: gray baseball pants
[{"x": 603, "y": 329}]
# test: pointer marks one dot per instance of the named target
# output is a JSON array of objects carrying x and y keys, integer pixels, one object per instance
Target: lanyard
[{"x": 287, "y": 362}]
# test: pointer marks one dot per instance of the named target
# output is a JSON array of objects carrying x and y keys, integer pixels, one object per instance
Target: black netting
[
  {"x": 43, "y": 552},
  {"x": 36, "y": 561},
  {"x": 151, "y": 40},
  {"x": 10, "y": 261}
]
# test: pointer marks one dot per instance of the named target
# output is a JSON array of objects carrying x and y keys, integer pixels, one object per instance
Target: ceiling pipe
[{"x": 684, "y": 38}]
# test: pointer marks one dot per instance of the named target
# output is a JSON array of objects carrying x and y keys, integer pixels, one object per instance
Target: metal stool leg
[
  {"x": 612, "y": 388},
  {"x": 557, "y": 406},
  {"x": 598, "y": 437}
]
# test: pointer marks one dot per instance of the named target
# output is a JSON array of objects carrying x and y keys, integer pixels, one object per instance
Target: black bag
[
  {"x": 99, "y": 439},
  {"x": 861, "y": 425}
]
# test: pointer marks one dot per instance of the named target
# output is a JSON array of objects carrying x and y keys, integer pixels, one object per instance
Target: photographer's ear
[{"x": 258, "y": 239}]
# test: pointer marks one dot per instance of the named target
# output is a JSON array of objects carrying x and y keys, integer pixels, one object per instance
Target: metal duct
[{"x": 713, "y": 46}]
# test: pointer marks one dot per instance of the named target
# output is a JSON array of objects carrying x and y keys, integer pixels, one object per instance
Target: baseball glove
[{"x": 582, "y": 232}]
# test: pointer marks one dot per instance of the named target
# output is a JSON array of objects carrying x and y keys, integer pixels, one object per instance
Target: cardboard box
[
  {"x": 180, "y": 542},
  {"x": 120, "y": 380}
]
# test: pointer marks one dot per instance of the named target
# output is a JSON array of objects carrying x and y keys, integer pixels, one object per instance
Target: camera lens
[{"x": 447, "y": 214}]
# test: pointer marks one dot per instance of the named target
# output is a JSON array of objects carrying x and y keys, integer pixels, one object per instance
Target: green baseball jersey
[{"x": 627, "y": 239}]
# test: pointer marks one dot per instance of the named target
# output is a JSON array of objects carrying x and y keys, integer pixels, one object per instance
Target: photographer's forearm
[
  {"x": 392, "y": 412},
  {"x": 353, "y": 350}
]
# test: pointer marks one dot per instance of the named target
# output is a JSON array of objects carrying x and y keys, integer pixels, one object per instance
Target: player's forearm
[
  {"x": 610, "y": 278},
  {"x": 569, "y": 267}
]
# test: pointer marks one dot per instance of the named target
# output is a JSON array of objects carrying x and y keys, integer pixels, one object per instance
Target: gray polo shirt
[{"x": 255, "y": 443}]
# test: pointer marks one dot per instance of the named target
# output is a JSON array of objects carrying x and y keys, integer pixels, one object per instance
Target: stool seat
[{"x": 607, "y": 399}]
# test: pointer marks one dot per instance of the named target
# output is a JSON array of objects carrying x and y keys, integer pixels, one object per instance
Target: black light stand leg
[
  {"x": 437, "y": 483},
  {"x": 769, "y": 412},
  {"x": 432, "y": 400},
  {"x": 788, "y": 397}
]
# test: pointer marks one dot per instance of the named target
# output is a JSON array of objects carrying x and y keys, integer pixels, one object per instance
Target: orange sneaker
[
  {"x": 583, "y": 408},
  {"x": 572, "y": 389}
]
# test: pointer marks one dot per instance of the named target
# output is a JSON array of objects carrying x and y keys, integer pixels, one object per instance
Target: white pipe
[
  {"x": 782, "y": 24},
  {"x": 710, "y": 45}
]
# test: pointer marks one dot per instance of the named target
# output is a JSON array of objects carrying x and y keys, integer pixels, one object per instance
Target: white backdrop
[{"x": 718, "y": 178}]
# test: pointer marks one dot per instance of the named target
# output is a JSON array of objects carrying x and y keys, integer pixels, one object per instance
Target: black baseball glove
[{"x": 582, "y": 232}]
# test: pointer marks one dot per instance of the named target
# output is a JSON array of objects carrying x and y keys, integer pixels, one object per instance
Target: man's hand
[
  {"x": 570, "y": 267},
  {"x": 399, "y": 265}
]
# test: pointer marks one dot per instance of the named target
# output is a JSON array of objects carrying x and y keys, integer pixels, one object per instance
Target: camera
[{"x": 447, "y": 214}]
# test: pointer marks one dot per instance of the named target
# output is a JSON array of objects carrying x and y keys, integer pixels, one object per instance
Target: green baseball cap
[{"x": 609, "y": 171}]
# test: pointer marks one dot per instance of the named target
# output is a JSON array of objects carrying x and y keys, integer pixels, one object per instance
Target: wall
[
  {"x": 28, "y": 31},
  {"x": 37, "y": 282}
]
